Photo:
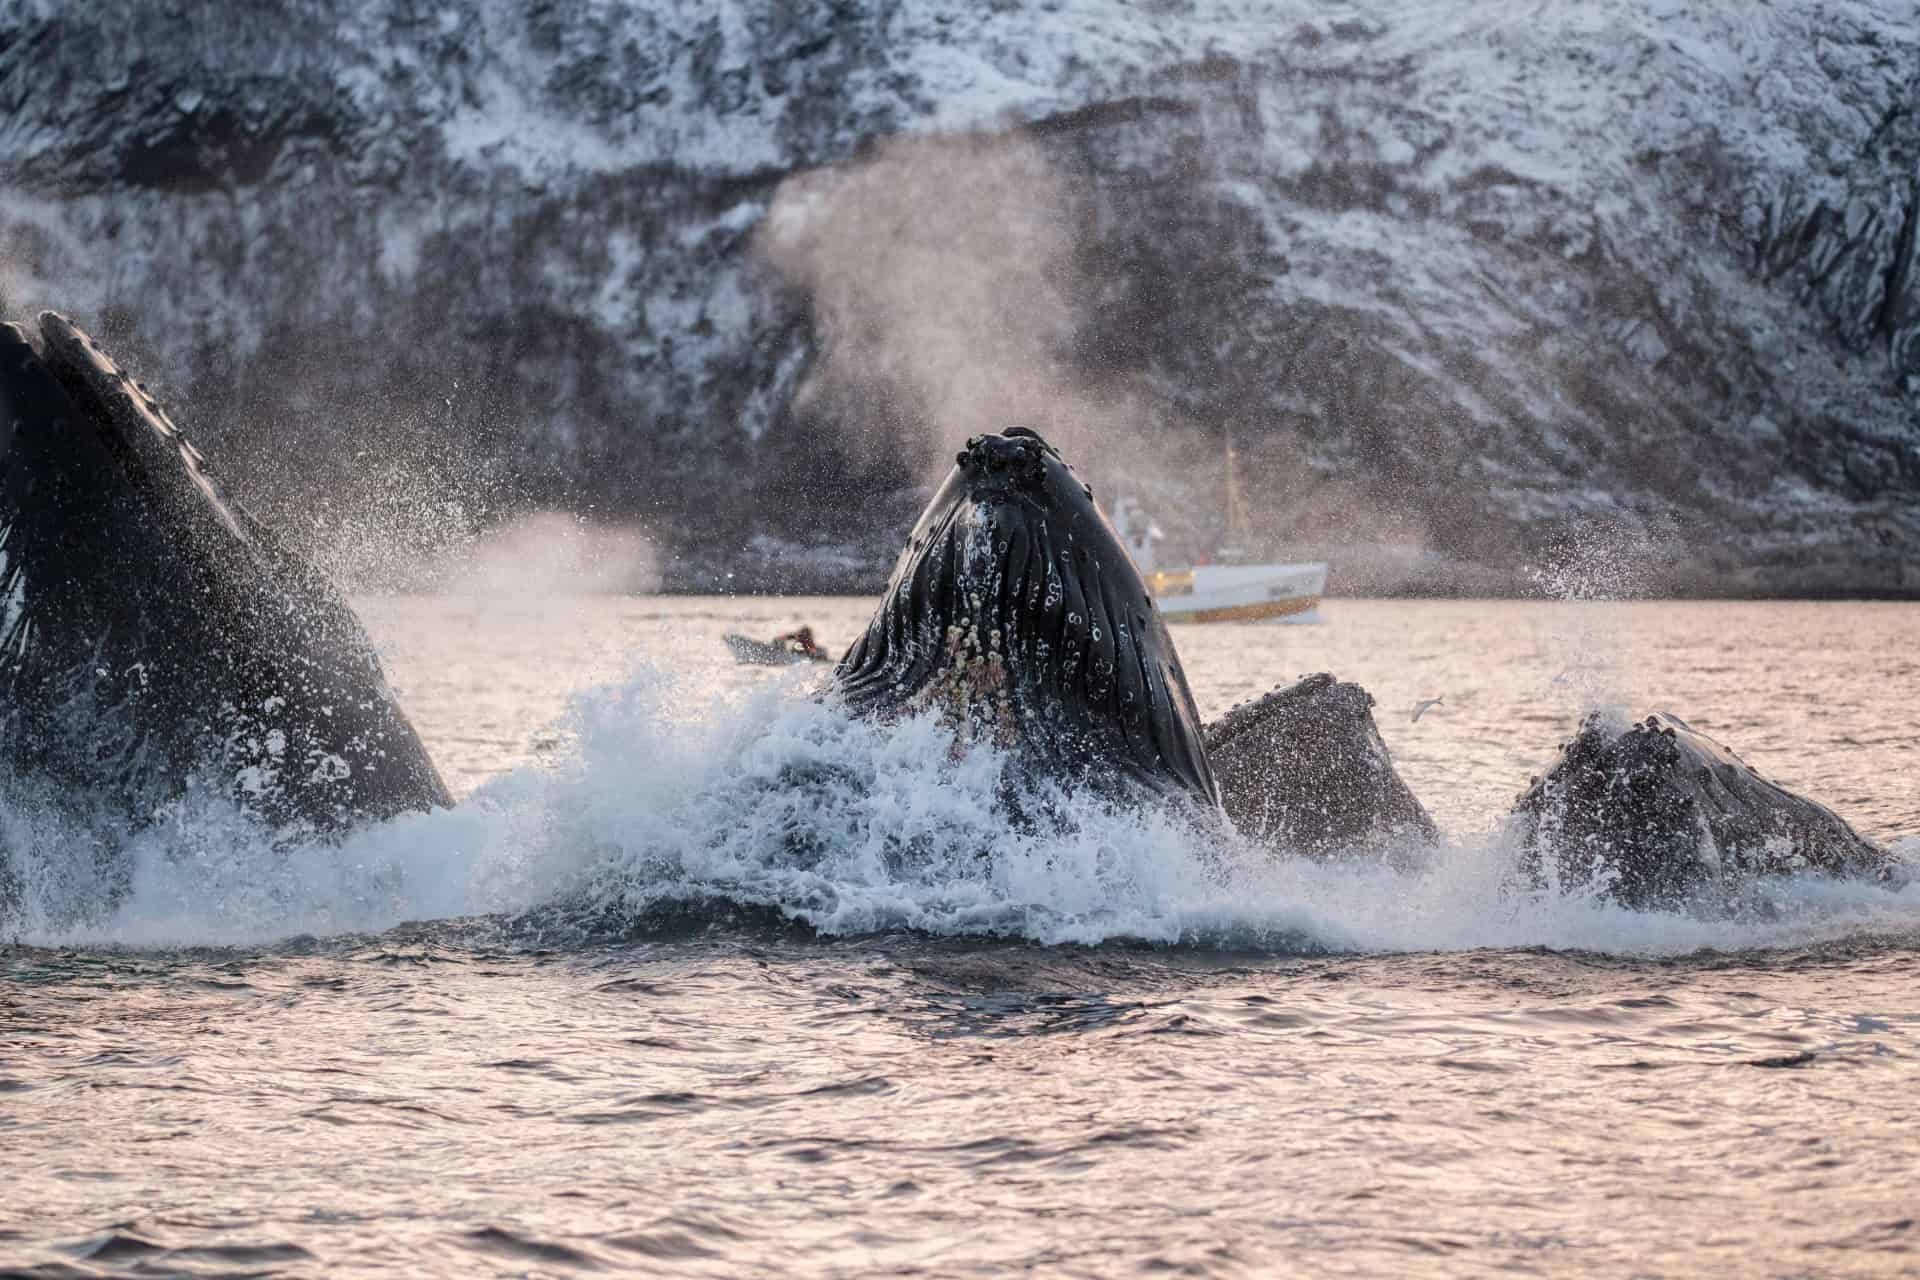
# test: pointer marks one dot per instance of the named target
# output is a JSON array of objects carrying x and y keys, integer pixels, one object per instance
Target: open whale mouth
[
  {"x": 155, "y": 637},
  {"x": 1016, "y": 612}
]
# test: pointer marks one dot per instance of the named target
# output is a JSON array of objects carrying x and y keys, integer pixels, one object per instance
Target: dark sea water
[{"x": 701, "y": 979}]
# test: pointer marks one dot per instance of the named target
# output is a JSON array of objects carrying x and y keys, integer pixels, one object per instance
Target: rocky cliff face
[{"x": 1595, "y": 294}]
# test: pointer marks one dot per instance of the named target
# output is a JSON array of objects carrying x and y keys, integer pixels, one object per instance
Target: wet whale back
[
  {"x": 1659, "y": 814},
  {"x": 1015, "y": 605},
  {"x": 153, "y": 629}
]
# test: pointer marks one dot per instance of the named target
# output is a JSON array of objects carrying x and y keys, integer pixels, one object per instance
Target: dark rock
[
  {"x": 1659, "y": 815},
  {"x": 1457, "y": 281},
  {"x": 1303, "y": 771}
]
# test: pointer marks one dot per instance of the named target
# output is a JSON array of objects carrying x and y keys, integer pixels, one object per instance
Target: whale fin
[{"x": 153, "y": 629}]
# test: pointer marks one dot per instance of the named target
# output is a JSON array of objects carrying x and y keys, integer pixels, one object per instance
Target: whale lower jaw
[{"x": 154, "y": 636}]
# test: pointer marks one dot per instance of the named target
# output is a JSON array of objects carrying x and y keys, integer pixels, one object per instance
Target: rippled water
[{"x": 702, "y": 979}]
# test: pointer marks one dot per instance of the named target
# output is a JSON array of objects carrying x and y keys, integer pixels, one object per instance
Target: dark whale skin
[
  {"x": 154, "y": 635},
  {"x": 1659, "y": 815},
  {"x": 1303, "y": 770},
  {"x": 1016, "y": 611}
]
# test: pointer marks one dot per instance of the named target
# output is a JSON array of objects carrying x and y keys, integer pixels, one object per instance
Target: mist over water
[
  {"x": 939, "y": 272},
  {"x": 947, "y": 281},
  {"x": 545, "y": 556}
]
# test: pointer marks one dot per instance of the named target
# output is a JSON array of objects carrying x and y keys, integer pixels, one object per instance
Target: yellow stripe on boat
[{"x": 1260, "y": 611}]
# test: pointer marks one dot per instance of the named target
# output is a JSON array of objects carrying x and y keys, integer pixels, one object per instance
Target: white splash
[{"x": 780, "y": 801}]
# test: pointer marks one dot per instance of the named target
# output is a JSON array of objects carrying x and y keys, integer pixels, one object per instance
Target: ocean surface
[{"x": 699, "y": 978}]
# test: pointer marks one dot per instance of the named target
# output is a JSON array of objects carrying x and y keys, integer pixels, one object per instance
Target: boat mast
[{"x": 1236, "y": 505}]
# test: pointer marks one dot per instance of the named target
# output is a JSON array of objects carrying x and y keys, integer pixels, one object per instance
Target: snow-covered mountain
[{"x": 1605, "y": 294}]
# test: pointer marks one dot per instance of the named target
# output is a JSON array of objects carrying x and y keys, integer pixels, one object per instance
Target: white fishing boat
[
  {"x": 1229, "y": 588},
  {"x": 1238, "y": 592}
]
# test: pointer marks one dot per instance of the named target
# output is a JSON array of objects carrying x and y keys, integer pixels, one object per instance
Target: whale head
[{"x": 1016, "y": 612}]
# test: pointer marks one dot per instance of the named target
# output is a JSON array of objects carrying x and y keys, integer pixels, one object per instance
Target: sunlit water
[{"x": 701, "y": 979}]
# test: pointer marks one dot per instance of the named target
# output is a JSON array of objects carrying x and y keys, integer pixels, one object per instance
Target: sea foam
[{"x": 778, "y": 802}]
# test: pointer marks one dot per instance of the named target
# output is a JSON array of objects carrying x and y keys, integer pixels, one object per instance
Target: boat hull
[
  {"x": 1267, "y": 611},
  {"x": 1238, "y": 593}
]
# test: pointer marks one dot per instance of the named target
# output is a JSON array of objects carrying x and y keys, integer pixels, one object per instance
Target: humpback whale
[
  {"x": 1659, "y": 815},
  {"x": 1016, "y": 612},
  {"x": 155, "y": 637},
  {"x": 1303, "y": 770}
]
